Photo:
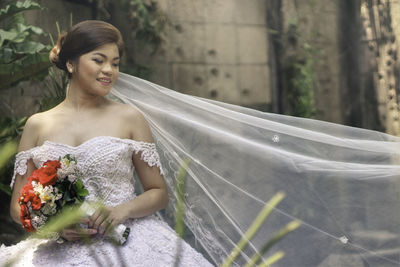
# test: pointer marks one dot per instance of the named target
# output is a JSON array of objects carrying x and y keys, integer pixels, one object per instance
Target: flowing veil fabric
[{"x": 342, "y": 183}]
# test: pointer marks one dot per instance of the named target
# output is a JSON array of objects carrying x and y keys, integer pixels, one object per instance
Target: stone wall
[{"x": 216, "y": 49}]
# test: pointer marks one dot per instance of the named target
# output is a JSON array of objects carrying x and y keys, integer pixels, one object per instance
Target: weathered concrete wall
[
  {"x": 381, "y": 29},
  {"x": 216, "y": 49}
]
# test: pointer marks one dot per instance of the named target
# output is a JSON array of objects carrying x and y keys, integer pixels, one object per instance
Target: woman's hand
[
  {"x": 106, "y": 218},
  {"x": 75, "y": 233}
]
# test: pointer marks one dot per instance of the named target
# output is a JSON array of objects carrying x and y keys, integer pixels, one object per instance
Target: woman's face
[{"x": 98, "y": 70}]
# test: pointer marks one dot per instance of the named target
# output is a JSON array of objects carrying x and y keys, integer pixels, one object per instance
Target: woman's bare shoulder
[
  {"x": 36, "y": 120},
  {"x": 135, "y": 121},
  {"x": 126, "y": 111},
  {"x": 42, "y": 118},
  {"x": 31, "y": 131}
]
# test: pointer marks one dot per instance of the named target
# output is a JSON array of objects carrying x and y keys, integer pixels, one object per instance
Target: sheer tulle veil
[{"x": 342, "y": 183}]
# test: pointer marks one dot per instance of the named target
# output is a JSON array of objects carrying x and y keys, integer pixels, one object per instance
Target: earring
[{"x": 70, "y": 68}]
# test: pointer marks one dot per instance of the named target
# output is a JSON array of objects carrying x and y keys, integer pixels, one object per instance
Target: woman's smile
[{"x": 105, "y": 81}]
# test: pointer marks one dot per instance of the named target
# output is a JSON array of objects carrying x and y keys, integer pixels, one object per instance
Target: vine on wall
[
  {"x": 298, "y": 74},
  {"x": 143, "y": 24}
]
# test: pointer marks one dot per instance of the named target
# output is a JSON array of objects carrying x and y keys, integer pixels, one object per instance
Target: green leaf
[
  {"x": 6, "y": 152},
  {"x": 80, "y": 190},
  {"x": 7, "y": 35},
  {"x": 17, "y": 7},
  {"x": 5, "y": 188},
  {"x": 24, "y": 68},
  {"x": 5, "y": 54},
  {"x": 254, "y": 227},
  {"x": 29, "y": 47}
]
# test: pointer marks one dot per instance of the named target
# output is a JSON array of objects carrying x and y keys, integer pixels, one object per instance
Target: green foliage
[
  {"x": 20, "y": 55},
  {"x": 254, "y": 227},
  {"x": 299, "y": 75},
  {"x": 21, "y": 58},
  {"x": 54, "y": 90},
  {"x": 180, "y": 208},
  {"x": 6, "y": 152},
  {"x": 81, "y": 191},
  {"x": 145, "y": 24},
  {"x": 17, "y": 7},
  {"x": 10, "y": 131}
]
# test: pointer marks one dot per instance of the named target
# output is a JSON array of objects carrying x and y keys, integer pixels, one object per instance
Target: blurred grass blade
[
  {"x": 7, "y": 151},
  {"x": 179, "y": 225},
  {"x": 261, "y": 217},
  {"x": 51, "y": 39},
  {"x": 273, "y": 259},
  {"x": 58, "y": 28},
  {"x": 180, "y": 208},
  {"x": 293, "y": 225},
  {"x": 6, "y": 189},
  {"x": 68, "y": 216}
]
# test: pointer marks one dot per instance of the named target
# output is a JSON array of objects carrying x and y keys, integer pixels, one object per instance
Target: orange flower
[
  {"x": 47, "y": 174},
  {"x": 24, "y": 212},
  {"x": 27, "y": 193},
  {"x": 25, "y": 218},
  {"x": 55, "y": 164},
  {"x": 27, "y": 224},
  {"x": 36, "y": 202}
]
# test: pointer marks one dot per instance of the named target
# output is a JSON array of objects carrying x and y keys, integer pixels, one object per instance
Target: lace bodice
[
  {"x": 107, "y": 168},
  {"x": 105, "y": 162}
]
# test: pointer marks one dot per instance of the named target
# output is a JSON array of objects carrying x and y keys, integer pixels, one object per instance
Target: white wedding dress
[{"x": 106, "y": 164}]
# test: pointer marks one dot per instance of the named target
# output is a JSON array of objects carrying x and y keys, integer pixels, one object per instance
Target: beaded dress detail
[{"x": 107, "y": 168}]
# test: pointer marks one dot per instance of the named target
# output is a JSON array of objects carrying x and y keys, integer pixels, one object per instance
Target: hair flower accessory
[{"x": 53, "y": 56}]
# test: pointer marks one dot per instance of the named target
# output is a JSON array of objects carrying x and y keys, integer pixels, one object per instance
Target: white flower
[
  {"x": 38, "y": 221},
  {"x": 46, "y": 193},
  {"x": 67, "y": 167},
  {"x": 49, "y": 208},
  {"x": 72, "y": 178}
]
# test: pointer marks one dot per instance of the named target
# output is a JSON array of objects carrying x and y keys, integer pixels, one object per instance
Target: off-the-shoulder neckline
[{"x": 127, "y": 140}]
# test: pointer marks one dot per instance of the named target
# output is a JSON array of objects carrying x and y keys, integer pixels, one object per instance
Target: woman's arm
[
  {"x": 28, "y": 141},
  {"x": 155, "y": 195}
]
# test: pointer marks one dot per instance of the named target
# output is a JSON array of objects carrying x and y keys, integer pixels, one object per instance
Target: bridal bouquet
[{"x": 56, "y": 184}]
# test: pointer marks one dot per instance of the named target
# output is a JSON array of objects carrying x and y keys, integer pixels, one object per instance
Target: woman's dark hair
[{"x": 83, "y": 38}]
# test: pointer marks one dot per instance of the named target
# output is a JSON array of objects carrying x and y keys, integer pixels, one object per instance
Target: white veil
[{"x": 342, "y": 183}]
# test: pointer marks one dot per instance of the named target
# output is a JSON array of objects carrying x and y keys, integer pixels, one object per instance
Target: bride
[
  {"x": 110, "y": 140},
  {"x": 342, "y": 183}
]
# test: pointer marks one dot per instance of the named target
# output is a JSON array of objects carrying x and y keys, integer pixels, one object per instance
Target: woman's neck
[{"x": 79, "y": 100}]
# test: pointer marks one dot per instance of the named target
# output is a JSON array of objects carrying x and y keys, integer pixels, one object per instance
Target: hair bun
[{"x": 53, "y": 56}]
